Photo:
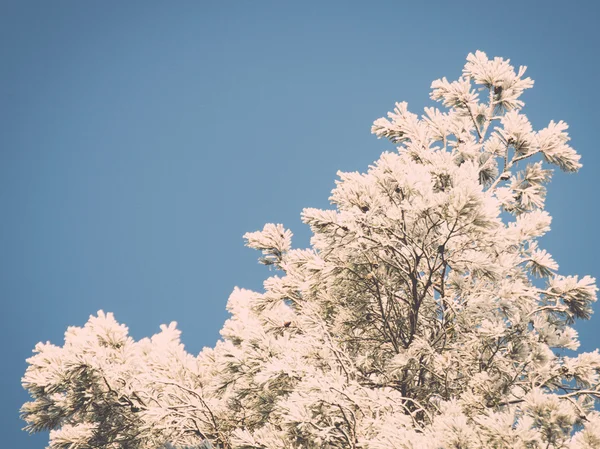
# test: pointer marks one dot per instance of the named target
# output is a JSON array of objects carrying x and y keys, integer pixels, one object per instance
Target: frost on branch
[
  {"x": 415, "y": 319},
  {"x": 274, "y": 241}
]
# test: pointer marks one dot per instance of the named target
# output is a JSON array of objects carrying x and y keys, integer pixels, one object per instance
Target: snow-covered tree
[{"x": 425, "y": 315}]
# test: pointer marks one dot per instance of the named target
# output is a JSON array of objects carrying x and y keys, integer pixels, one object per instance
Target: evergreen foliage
[{"x": 424, "y": 315}]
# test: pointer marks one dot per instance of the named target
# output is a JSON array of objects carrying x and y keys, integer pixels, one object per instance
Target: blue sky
[{"x": 140, "y": 140}]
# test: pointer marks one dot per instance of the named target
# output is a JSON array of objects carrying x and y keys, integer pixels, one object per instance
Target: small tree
[{"x": 424, "y": 315}]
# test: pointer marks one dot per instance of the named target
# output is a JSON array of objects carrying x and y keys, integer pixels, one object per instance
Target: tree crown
[{"x": 424, "y": 315}]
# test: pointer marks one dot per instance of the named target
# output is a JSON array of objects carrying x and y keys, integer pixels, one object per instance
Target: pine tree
[{"x": 424, "y": 315}]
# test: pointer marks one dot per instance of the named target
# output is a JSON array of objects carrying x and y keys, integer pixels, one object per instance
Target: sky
[{"x": 140, "y": 140}]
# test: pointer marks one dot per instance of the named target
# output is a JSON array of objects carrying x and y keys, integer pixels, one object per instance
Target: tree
[{"x": 424, "y": 315}]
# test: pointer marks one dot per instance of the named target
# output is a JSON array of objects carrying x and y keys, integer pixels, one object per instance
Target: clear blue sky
[{"x": 140, "y": 140}]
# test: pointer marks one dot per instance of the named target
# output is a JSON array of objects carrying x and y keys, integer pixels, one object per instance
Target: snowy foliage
[{"x": 424, "y": 316}]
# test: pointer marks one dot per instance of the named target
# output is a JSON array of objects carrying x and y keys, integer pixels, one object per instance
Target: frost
[{"x": 414, "y": 320}]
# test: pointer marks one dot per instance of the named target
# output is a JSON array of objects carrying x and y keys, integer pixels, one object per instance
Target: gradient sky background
[{"x": 140, "y": 140}]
